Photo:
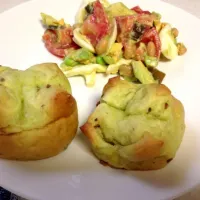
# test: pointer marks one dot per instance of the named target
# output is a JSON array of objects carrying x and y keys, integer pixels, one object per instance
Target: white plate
[{"x": 76, "y": 174}]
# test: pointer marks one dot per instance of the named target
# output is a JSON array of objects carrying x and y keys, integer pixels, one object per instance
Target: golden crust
[
  {"x": 153, "y": 164},
  {"x": 62, "y": 105},
  {"x": 41, "y": 143},
  {"x": 162, "y": 90},
  {"x": 145, "y": 154},
  {"x": 89, "y": 131},
  {"x": 112, "y": 82},
  {"x": 147, "y": 148}
]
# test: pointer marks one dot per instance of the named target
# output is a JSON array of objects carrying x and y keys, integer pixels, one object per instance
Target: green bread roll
[
  {"x": 38, "y": 114},
  {"x": 136, "y": 126}
]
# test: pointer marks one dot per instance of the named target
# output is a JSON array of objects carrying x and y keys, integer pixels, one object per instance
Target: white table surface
[{"x": 192, "y": 6}]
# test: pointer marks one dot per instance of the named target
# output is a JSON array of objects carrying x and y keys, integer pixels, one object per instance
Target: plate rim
[{"x": 35, "y": 1}]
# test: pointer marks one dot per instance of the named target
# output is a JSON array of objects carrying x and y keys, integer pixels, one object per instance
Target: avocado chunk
[
  {"x": 70, "y": 62},
  {"x": 119, "y": 9},
  {"x": 109, "y": 60},
  {"x": 114, "y": 54},
  {"x": 157, "y": 24},
  {"x": 142, "y": 73},
  {"x": 114, "y": 68},
  {"x": 49, "y": 21},
  {"x": 126, "y": 70},
  {"x": 157, "y": 16},
  {"x": 151, "y": 61},
  {"x": 82, "y": 56}
]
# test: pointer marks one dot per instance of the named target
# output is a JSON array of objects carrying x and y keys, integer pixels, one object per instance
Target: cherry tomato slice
[
  {"x": 152, "y": 35},
  {"x": 55, "y": 51},
  {"x": 58, "y": 41},
  {"x": 96, "y": 25}
]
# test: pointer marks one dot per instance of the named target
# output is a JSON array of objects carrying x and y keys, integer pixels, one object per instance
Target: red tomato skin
[
  {"x": 55, "y": 51},
  {"x": 138, "y": 10},
  {"x": 152, "y": 35},
  {"x": 125, "y": 26},
  {"x": 58, "y": 46},
  {"x": 96, "y": 26},
  {"x": 143, "y": 17}
]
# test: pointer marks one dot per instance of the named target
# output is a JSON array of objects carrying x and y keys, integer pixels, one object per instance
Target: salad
[{"x": 112, "y": 39}]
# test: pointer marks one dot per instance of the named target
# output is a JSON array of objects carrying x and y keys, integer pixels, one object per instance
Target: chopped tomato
[
  {"x": 145, "y": 19},
  {"x": 152, "y": 35},
  {"x": 59, "y": 52},
  {"x": 125, "y": 25},
  {"x": 138, "y": 28},
  {"x": 65, "y": 36},
  {"x": 96, "y": 25},
  {"x": 138, "y": 10},
  {"x": 59, "y": 40}
]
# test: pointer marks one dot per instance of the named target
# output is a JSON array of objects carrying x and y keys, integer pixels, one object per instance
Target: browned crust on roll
[
  {"x": 112, "y": 82},
  {"x": 153, "y": 164},
  {"x": 62, "y": 105},
  {"x": 162, "y": 90},
  {"x": 40, "y": 143},
  {"x": 147, "y": 148},
  {"x": 145, "y": 154},
  {"x": 88, "y": 130}
]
